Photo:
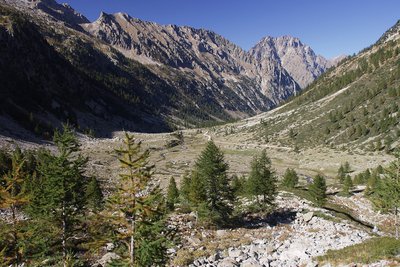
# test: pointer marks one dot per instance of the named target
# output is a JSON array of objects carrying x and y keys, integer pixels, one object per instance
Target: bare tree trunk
[
  {"x": 64, "y": 237},
  {"x": 396, "y": 223},
  {"x": 132, "y": 247},
  {"x": 15, "y": 235}
]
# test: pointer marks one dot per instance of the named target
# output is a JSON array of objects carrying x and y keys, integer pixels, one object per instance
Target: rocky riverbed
[
  {"x": 293, "y": 246},
  {"x": 294, "y": 240}
]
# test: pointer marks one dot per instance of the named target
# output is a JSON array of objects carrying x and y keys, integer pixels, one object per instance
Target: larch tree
[
  {"x": 262, "y": 179},
  {"x": 317, "y": 190},
  {"x": 94, "y": 195},
  {"x": 290, "y": 178},
  {"x": 347, "y": 186},
  {"x": 210, "y": 186},
  {"x": 13, "y": 197},
  {"x": 172, "y": 194},
  {"x": 59, "y": 197},
  {"x": 387, "y": 193},
  {"x": 137, "y": 209}
]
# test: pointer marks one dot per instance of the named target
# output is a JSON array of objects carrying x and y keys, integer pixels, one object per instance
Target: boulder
[{"x": 308, "y": 216}]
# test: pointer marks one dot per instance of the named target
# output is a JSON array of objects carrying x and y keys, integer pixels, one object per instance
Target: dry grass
[{"x": 372, "y": 250}]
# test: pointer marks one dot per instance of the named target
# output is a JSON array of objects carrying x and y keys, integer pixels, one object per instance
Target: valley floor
[{"x": 293, "y": 236}]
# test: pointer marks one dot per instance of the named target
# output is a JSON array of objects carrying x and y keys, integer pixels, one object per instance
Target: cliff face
[{"x": 298, "y": 59}]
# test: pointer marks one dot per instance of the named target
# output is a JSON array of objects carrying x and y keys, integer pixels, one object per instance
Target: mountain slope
[
  {"x": 352, "y": 106},
  {"x": 50, "y": 9},
  {"x": 41, "y": 87},
  {"x": 124, "y": 73},
  {"x": 203, "y": 54},
  {"x": 152, "y": 98}
]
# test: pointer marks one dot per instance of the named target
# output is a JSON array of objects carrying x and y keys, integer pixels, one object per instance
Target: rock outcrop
[
  {"x": 298, "y": 59},
  {"x": 202, "y": 53}
]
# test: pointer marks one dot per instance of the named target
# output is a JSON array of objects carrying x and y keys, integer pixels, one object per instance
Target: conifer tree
[
  {"x": 318, "y": 190},
  {"x": 341, "y": 174},
  {"x": 262, "y": 180},
  {"x": 210, "y": 186},
  {"x": 290, "y": 178},
  {"x": 386, "y": 195},
  {"x": 373, "y": 183},
  {"x": 346, "y": 167},
  {"x": 185, "y": 187},
  {"x": 13, "y": 197},
  {"x": 238, "y": 185},
  {"x": 347, "y": 185},
  {"x": 93, "y": 195},
  {"x": 172, "y": 194},
  {"x": 58, "y": 198},
  {"x": 137, "y": 208}
]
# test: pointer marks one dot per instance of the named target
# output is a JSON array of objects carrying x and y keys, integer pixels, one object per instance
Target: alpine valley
[
  {"x": 125, "y": 142},
  {"x": 137, "y": 75}
]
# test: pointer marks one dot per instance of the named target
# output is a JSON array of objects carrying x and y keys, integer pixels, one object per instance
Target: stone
[
  {"x": 107, "y": 258},
  {"x": 250, "y": 263},
  {"x": 312, "y": 264},
  {"x": 308, "y": 216},
  {"x": 194, "y": 241},
  {"x": 234, "y": 252},
  {"x": 110, "y": 247},
  {"x": 228, "y": 262},
  {"x": 220, "y": 233}
]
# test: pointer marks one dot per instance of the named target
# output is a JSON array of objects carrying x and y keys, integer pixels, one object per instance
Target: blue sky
[{"x": 330, "y": 27}]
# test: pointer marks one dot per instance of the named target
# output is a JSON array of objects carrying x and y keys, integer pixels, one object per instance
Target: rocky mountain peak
[{"x": 298, "y": 59}]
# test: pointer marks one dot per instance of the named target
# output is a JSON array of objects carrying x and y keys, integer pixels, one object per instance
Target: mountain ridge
[{"x": 177, "y": 75}]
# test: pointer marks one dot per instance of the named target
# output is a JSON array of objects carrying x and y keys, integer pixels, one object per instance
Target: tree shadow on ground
[{"x": 258, "y": 220}]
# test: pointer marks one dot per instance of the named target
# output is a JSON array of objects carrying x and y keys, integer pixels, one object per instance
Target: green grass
[{"x": 370, "y": 251}]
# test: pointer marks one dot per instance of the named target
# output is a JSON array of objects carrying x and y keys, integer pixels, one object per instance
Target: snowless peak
[
  {"x": 298, "y": 59},
  {"x": 123, "y": 16},
  {"x": 103, "y": 15}
]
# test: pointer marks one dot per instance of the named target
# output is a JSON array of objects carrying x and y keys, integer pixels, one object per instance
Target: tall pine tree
[
  {"x": 172, "y": 194},
  {"x": 318, "y": 190},
  {"x": 210, "y": 186},
  {"x": 94, "y": 195},
  {"x": 58, "y": 199},
  {"x": 262, "y": 180}
]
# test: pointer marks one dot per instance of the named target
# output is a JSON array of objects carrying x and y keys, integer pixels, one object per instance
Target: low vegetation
[{"x": 372, "y": 250}]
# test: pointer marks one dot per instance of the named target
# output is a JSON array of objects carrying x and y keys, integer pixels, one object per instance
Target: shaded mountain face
[
  {"x": 299, "y": 60},
  {"x": 40, "y": 87}
]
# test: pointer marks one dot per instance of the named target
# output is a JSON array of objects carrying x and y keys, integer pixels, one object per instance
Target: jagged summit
[
  {"x": 197, "y": 74},
  {"x": 298, "y": 59},
  {"x": 206, "y": 54}
]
